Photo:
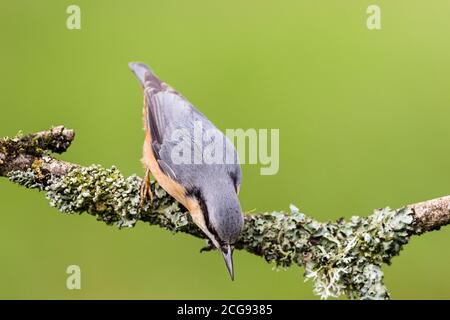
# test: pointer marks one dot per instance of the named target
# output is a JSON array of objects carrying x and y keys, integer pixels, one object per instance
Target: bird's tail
[{"x": 145, "y": 75}]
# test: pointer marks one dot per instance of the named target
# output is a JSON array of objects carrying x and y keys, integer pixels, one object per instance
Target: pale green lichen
[
  {"x": 28, "y": 179},
  {"x": 342, "y": 257},
  {"x": 104, "y": 193}
]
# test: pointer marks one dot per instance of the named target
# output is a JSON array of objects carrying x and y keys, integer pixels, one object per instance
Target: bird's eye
[{"x": 233, "y": 179}]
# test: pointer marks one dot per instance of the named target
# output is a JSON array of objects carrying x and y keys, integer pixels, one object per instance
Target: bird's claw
[
  {"x": 145, "y": 190},
  {"x": 209, "y": 246}
]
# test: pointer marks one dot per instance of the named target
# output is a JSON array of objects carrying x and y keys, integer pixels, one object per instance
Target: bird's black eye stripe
[
  {"x": 197, "y": 194},
  {"x": 234, "y": 179}
]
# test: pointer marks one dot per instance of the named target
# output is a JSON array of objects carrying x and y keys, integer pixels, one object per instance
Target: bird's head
[{"x": 219, "y": 215}]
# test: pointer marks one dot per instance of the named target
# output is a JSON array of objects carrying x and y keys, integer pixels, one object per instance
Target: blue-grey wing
[{"x": 182, "y": 138}]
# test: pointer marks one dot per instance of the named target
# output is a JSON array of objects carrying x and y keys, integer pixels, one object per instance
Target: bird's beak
[{"x": 227, "y": 252}]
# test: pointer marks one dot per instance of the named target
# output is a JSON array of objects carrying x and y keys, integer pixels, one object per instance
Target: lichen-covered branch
[
  {"x": 25, "y": 152},
  {"x": 341, "y": 257}
]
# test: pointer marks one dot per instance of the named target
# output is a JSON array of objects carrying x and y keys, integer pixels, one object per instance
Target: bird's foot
[
  {"x": 209, "y": 246},
  {"x": 146, "y": 190}
]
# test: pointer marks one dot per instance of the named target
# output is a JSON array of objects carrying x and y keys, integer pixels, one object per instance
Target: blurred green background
[{"x": 363, "y": 118}]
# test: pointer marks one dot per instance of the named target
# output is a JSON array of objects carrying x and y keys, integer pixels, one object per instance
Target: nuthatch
[{"x": 209, "y": 191}]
